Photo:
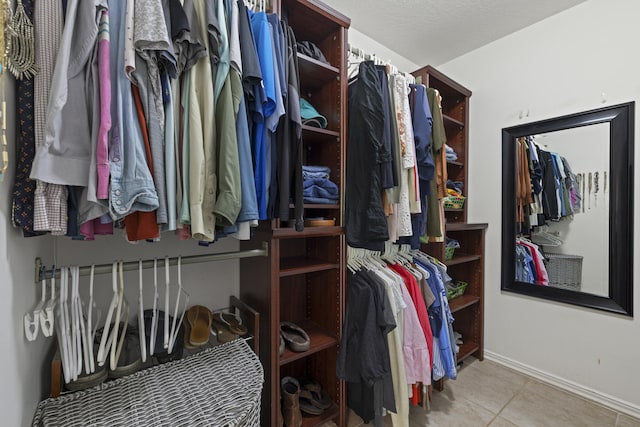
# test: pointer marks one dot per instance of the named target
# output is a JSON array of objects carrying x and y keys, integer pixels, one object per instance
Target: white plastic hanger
[
  {"x": 46, "y": 315},
  {"x": 84, "y": 344},
  {"x": 154, "y": 318},
  {"x": 116, "y": 350},
  {"x": 64, "y": 340},
  {"x": 90, "y": 329},
  {"x": 174, "y": 329},
  {"x": 32, "y": 318},
  {"x": 104, "y": 347},
  {"x": 143, "y": 346},
  {"x": 76, "y": 333},
  {"x": 166, "y": 302}
]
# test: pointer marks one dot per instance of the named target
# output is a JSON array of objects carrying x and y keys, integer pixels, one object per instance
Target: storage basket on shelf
[
  {"x": 448, "y": 253},
  {"x": 565, "y": 271},
  {"x": 450, "y": 247},
  {"x": 457, "y": 289},
  {"x": 453, "y": 202}
]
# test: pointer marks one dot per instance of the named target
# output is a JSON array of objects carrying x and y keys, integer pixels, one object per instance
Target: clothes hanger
[
  {"x": 63, "y": 332},
  {"x": 116, "y": 350},
  {"x": 90, "y": 329},
  {"x": 154, "y": 316},
  {"x": 174, "y": 329},
  {"x": 76, "y": 335},
  {"x": 166, "y": 302},
  {"x": 83, "y": 343},
  {"x": 141, "y": 329},
  {"x": 31, "y": 319},
  {"x": 104, "y": 347},
  {"x": 46, "y": 315}
]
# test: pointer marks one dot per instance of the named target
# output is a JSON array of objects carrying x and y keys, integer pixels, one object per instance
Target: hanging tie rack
[{"x": 134, "y": 265}]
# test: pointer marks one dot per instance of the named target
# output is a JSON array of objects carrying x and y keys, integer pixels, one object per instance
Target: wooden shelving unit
[
  {"x": 303, "y": 279},
  {"x": 467, "y": 263}
]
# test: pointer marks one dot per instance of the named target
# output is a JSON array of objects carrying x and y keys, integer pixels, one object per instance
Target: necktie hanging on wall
[{"x": 3, "y": 119}]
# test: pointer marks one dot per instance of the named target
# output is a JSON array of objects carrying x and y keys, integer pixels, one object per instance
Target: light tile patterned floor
[{"x": 488, "y": 394}]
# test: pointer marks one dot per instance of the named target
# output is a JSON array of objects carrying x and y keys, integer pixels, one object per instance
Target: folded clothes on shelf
[
  {"x": 457, "y": 186},
  {"x": 451, "y": 153},
  {"x": 315, "y": 172},
  {"x": 320, "y": 191},
  {"x": 311, "y": 50},
  {"x": 310, "y": 116}
]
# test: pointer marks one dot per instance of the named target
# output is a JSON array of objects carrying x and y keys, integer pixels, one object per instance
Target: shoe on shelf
[
  {"x": 85, "y": 380},
  {"x": 222, "y": 331},
  {"x": 290, "y": 394},
  {"x": 129, "y": 360},
  {"x": 318, "y": 395},
  {"x": 159, "y": 352},
  {"x": 233, "y": 322},
  {"x": 297, "y": 339},
  {"x": 281, "y": 345},
  {"x": 197, "y": 326}
]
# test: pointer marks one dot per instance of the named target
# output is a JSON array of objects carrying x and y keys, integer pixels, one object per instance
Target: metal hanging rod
[
  {"x": 359, "y": 53},
  {"x": 133, "y": 265}
]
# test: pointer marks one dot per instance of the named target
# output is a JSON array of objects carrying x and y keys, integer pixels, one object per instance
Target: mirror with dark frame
[{"x": 567, "y": 209}]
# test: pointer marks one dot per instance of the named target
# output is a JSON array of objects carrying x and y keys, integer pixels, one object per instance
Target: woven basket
[
  {"x": 565, "y": 271},
  {"x": 453, "y": 202},
  {"x": 220, "y": 386}
]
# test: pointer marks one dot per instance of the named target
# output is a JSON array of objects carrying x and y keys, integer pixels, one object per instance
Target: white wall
[
  {"x": 371, "y": 46},
  {"x": 559, "y": 66},
  {"x": 23, "y": 362}
]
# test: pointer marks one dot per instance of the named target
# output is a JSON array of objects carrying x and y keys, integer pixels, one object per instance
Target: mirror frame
[{"x": 621, "y": 135}]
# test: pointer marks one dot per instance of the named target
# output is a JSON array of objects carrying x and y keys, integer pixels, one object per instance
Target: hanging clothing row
[
  {"x": 530, "y": 263},
  {"x": 546, "y": 187},
  {"x": 396, "y": 162},
  {"x": 397, "y": 334},
  {"x": 159, "y": 115}
]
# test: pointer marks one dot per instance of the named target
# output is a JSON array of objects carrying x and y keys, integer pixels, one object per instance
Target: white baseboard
[{"x": 567, "y": 385}]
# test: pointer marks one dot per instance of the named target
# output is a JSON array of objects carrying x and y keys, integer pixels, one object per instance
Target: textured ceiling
[{"x": 436, "y": 31}]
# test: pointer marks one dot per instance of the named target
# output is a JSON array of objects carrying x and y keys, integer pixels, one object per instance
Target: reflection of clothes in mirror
[{"x": 536, "y": 267}]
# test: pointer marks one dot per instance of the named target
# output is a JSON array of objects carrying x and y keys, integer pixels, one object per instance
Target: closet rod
[
  {"x": 148, "y": 263},
  {"x": 360, "y": 53}
]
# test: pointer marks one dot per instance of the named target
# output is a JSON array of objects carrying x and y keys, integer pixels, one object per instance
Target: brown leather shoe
[{"x": 291, "y": 402}]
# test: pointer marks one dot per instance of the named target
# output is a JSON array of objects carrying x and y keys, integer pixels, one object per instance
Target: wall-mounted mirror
[{"x": 567, "y": 209}]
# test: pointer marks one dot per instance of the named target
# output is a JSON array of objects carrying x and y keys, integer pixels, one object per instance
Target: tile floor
[{"x": 489, "y": 394}]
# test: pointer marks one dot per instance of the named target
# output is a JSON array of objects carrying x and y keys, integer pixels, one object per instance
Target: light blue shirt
[{"x": 132, "y": 188}]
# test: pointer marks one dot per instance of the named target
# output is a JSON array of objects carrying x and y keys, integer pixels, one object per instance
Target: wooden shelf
[
  {"x": 463, "y": 226},
  {"x": 291, "y": 233},
  {"x": 314, "y": 73},
  {"x": 314, "y": 134},
  {"x": 462, "y": 258},
  {"x": 455, "y": 163},
  {"x": 315, "y": 420},
  {"x": 453, "y": 210},
  {"x": 315, "y": 206},
  {"x": 303, "y": 265},
  {"x": 467, "y": 349},
  {"x": 448, "y": 120},
  {"x": 463, "y": 301},
  {"x": 320, "y": 340}
]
